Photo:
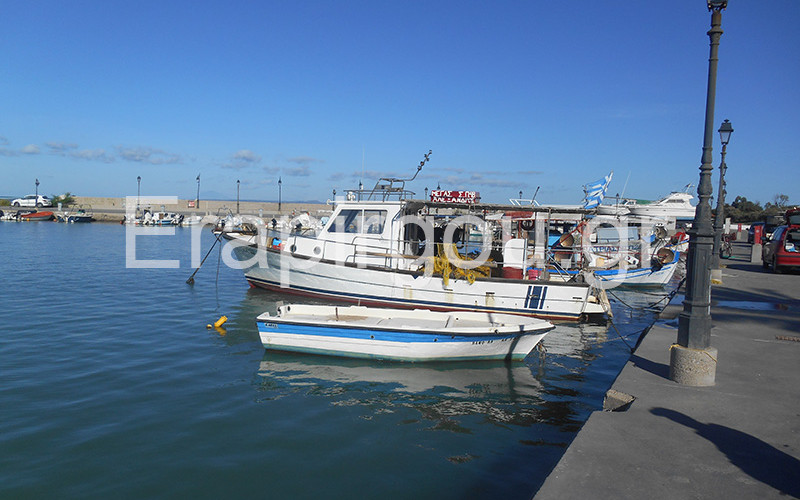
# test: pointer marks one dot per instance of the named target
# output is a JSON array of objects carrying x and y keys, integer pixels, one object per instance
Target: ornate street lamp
[
  {"x": 692, "y": 359},
  {"x": 426, "y": 193},
  {"x": 237, "y": 196},
  {"x": 138, "y": 192},
  {"x": 725, "y": 131},
  {"x": 279, "y": 194},
  {"x": 197, "y": 198},
  {"x": 36, "y": 200}
]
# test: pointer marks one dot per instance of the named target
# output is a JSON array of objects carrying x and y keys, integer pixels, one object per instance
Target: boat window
[
  {"x": 374, "y": 220},
  {"x": 348, "y": 221}
]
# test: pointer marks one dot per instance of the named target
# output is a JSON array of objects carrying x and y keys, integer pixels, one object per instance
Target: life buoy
[{"x": 526, "y": 224}]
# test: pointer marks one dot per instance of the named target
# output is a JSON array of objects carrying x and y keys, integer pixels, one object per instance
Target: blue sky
[{"x": 509, "y": 95}]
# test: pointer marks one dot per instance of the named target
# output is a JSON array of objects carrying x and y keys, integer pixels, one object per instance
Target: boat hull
[
  {"x": 384, "y": 287},
  {"x": 404, "y": 343},
  {"x": 37, "y": 216}
]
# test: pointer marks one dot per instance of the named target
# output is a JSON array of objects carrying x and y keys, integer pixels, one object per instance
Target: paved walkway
[{"x": 738, "y": 439}]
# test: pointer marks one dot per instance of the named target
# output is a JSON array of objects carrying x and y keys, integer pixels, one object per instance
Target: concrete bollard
[
  {"x": 755, "y": 254},
  {"x": 693, "y": 367}
]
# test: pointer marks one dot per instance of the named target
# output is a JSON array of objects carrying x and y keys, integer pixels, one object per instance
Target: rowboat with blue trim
[{"x": 397, "y": 334}]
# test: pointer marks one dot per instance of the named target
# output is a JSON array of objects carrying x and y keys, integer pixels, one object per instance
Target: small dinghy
[{"x": 397, "y": 334}]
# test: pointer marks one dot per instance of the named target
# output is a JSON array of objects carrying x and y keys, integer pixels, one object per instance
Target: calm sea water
[{"x": 111, "y": 386}]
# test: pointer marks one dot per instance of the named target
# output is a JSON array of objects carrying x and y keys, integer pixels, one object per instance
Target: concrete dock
[
  {"x": 110, "y": 209},
  {"x": 737, "y": 439}
]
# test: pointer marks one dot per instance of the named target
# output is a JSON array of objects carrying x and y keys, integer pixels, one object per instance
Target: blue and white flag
[{"x": 596, "y": 191}]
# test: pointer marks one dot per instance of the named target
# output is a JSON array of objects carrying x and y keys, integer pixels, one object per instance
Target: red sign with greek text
[{"x": 442, "y": 196}]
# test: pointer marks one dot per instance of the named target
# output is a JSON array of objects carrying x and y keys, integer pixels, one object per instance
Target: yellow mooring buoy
[{"x": 221, "y": 321}]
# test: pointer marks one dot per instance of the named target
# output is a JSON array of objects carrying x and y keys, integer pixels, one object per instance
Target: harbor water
[{"x": 112, "y": 386}]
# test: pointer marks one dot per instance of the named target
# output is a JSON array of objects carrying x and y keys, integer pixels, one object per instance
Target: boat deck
[{"x": 449, "y": 321}]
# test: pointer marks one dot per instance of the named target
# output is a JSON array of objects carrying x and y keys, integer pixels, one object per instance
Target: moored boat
[
  {"x": 396, "y": 334},
  {"x": 676, "y": 205},
  {"x": 79, "y": 214},
  {"x": 37, "y": 216}
]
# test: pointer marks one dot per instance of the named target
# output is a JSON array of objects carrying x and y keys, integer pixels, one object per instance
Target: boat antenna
[
  {"x": 421, "y": 164},
  {"x": 388, "y": 184},
  {"x": 534, "y": 195},
  {"x": 625, "y": 186}
]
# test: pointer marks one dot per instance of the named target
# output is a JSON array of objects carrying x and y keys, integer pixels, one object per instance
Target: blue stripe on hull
[{"x": 398, "y": 336}]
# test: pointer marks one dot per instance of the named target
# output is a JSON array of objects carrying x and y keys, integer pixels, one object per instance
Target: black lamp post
[
  {"x": 334, "y": 194},
  {"x": 692, "y": 359},
  {"x": 725, "y": 131},
  {"x": 197, "y": 198},
  {"x": 237, "y": 196},
  {"x": 36, "y": 200},
  {"x": 426, "y": 193},
  {"x": 520, "y": 194},
  {"x": 279, "y": 194}
]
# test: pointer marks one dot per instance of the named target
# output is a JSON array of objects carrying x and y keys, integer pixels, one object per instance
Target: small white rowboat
[{"x": 397, "y": 334}]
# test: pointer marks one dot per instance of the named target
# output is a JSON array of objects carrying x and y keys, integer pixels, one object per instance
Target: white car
[{"x": 31, "y": 201}]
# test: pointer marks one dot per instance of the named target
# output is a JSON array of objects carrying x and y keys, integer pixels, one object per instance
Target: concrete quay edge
[{"x": 737, "y": 439}]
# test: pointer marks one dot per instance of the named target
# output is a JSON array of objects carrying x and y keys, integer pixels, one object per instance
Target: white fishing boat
[
  {"x": 676, "y": 205},
  {"x": 383, "y": 249},
  {"x": 396, "y": 334}
]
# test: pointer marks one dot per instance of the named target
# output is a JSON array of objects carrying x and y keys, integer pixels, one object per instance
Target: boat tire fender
[{"x": 526, "y": 225}]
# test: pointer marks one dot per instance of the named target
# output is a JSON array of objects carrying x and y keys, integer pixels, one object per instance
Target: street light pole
[
  {"x": 237, "y": 196},
  {"x": 197, "y": 199},
  {"x": 138, "y": 192},
  {"x": 692, "y": 360},
  {"x": 36, "y": 200},
  {"x": 279, "y": 194},
  {"x": 725, "y": 131}
]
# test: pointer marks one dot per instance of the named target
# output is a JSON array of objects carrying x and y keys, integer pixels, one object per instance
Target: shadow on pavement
[
  {"x": 658, "y": 369},
  {"x": 754, "y": 457}
]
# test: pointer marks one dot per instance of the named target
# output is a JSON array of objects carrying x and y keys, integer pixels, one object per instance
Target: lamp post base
[
  {"x": 716, "y": 276},
  {"x": 693, "y": 367}
]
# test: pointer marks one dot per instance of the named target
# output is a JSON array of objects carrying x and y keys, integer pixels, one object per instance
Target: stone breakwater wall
[{"x": 113, "y": 209}]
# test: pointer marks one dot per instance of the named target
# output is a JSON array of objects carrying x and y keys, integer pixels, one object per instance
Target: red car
[{"x": 782, "y": 250}]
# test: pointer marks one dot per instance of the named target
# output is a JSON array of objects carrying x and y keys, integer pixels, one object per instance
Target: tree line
[{"x": 744, "y": 210}]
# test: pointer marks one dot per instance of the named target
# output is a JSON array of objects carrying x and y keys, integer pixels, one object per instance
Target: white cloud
[
  {"x": 31, "y": 149},
  {"x": 246, "y": 155},
  {"x": 304, "y": 160},
  {"x": 243, "y": 158},
  {"x": 92, "y": 155},
  {"x": 148, "y": 155},
  {"x": 60, "y": 147},
  {"x": 302, "y": 171}
]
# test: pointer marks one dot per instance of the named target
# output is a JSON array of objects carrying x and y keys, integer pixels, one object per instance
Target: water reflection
[{"x": 451, "y": 379}]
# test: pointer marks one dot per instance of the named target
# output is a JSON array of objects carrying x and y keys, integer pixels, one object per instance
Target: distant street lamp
[
  {"x": 692, "y": 359},
  {"x": 279, "y": 194},
  {"x": 520, "y": 194},
  {"x": 725, "y": 131},
  {"x": 426, "y": 193},
  {"x": 334, "y": 194},
  {"x": 36, "y": 200},
  {"x": 197, "y": 199},
  {"x": 237, "y": 196},
  {"x": 138, "y": 192}
]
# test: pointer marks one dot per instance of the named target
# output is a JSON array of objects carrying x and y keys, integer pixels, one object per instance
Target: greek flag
[{"x": 595, "y": 191}]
